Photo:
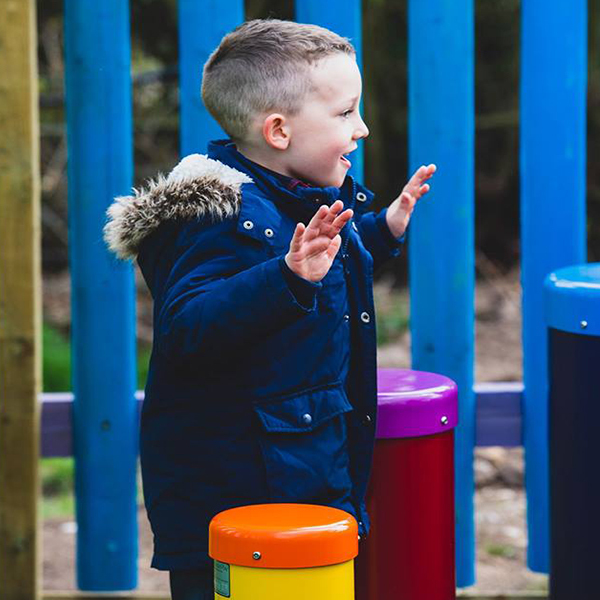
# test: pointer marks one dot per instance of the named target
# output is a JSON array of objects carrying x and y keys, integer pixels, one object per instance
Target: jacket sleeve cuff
[
  {"x": 378, "y": 238},
  {"x": 304, "y": 291}
]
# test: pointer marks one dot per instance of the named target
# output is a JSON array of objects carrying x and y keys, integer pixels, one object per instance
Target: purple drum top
[{"x": 414, "y": 403}]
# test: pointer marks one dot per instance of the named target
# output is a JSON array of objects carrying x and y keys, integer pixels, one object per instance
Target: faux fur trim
[{"x": 198, "y": 186}]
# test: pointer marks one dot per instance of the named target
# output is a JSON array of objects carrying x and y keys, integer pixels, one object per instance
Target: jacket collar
[{"x": 292, "y": 195}]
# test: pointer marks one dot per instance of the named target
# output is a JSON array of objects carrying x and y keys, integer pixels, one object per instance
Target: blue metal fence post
[
  {"x": 98, "y": 88},
  {"x": 553, "y": 171},
  {"x": 344, "y": 17},
  {"x": 442, "y": 273},
  {"x": 202, "y": 24}
]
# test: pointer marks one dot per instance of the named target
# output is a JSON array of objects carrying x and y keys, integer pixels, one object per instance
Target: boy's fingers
[
  {"x": 318, "y": 218},
  {"x": 333, "y": 211},
  {"x": 296, "y": 242},
  {"x": 341, "y": 220},
  {"x": 334, "y": 246}
]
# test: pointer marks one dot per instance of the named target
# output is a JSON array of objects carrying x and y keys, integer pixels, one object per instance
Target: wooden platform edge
[{"x": 78, "y": 595}]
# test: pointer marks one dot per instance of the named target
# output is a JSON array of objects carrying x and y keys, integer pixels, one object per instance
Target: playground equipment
[
  {"x": 572, "y": 297},
  {"x": 292, "y": 551},
  {"x": 441, "y": 123},
  {"x": 409, "y": 553}
]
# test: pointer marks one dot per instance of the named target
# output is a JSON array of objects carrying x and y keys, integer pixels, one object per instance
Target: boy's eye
[{"x": 347, "y": 113}]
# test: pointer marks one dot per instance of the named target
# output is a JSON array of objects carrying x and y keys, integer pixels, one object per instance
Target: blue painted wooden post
[
  {"x": 441, "y": 130},
  {"x": 98, "y": 88},
  {"x": 344, "y": 17},
  {"x": 553, "y": 172},
  {"x": 202, "y": 24}
]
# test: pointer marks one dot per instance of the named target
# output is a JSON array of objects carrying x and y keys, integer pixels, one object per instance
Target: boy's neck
[{"x": 261, "y": 157}]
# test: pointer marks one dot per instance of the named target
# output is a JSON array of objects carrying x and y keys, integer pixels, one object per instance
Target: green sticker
[{"x": 222, "y": 579}]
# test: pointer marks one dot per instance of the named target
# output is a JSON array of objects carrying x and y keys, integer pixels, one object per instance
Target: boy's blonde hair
[{"x": 262, "y": 66}]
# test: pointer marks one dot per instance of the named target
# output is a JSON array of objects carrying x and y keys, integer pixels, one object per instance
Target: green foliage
[
  {"x": 501, "y": 550},
  {"x": 392, "y": 312},
  {"x": 391, "y": 324},
  {"x": 57, "y": 361},
  {"x": 57, "y": 478}
]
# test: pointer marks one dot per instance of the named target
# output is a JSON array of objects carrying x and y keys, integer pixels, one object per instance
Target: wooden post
[{"x": 20, "y": 293}]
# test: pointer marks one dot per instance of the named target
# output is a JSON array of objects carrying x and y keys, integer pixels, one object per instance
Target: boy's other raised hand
[
  {"x": 400, "y": 210},
  {"x": 313, "y": 247}
]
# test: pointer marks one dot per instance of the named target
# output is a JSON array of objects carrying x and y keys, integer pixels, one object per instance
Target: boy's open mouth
[{"x": 345, "y": 161}]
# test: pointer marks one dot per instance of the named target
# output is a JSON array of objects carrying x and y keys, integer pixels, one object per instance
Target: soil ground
[{"x": 499, "y": 499}]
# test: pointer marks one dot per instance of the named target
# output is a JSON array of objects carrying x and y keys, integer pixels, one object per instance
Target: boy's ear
[{"x": 276, "y": 131}]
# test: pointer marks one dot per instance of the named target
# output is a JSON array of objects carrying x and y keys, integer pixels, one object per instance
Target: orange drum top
[{"x": 284, "y": 536}]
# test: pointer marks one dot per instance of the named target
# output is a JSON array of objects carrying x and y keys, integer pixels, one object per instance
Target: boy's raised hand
[
  {"x": 313, "y": 247},
  {"x": 400, "y": 210}
]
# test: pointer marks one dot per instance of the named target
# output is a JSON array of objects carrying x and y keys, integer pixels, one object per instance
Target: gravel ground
[{"x": 500, "y": 523}]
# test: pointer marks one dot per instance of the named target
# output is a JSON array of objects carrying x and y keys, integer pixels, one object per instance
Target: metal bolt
[
  {"x": 256, "y": 555},
  {"x": 583, "y": 324},
  {"x": 444, "y": 420}
]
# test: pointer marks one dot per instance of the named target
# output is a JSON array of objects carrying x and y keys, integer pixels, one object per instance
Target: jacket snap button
[
  {"x": 354, "y": 226},
  {"x": 364, "y": 317},
  {"x": 248, "y": 224},
  {"x": 346, "y": 317},
  {"x": 269, "y": 233},
  {"x": 367, "y": 419},
  {"x": 307, "y": 419},
  {"x": 361, "y": 197}
]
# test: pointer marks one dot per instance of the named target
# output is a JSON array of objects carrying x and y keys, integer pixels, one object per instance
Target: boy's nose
[{"x": 362, "y": 131}]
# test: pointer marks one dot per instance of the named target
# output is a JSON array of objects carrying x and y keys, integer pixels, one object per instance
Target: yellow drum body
[
  {"x": 334, "y": 582},
  {"x": 284, "y": 552}
]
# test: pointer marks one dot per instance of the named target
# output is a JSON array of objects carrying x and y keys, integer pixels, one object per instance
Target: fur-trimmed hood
[{"x": 198, "y": 186}]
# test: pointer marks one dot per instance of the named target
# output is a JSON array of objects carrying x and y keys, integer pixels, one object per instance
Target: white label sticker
[{"x": 222, "y": 579}]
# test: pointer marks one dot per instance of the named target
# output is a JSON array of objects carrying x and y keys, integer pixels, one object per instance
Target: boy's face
[{"x": 328, "y": 125}]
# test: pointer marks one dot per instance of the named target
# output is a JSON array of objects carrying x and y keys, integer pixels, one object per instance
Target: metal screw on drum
[
  {"x": 256, "y": 555},
  {"x": 583, "y": 324},
  {"x": 444, "y": 420}
]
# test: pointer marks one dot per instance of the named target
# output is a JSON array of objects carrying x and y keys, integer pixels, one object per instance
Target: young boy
[{"x": 260, "y": 259}]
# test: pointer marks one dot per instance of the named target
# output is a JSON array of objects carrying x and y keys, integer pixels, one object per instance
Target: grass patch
[
  {"x": 56, "y": 352},
  {"x": 501, "y": 550},
  {"x": 56, "y": 348},
  {"x": 57, "y": 480},
  {"x": 392, "y": 312}
]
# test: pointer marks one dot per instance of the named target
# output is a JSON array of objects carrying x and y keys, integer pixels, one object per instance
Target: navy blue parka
[{"x": 262, "y": 386}]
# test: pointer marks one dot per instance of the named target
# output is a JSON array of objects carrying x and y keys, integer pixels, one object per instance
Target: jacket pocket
[{"x": 304, "y": 445}]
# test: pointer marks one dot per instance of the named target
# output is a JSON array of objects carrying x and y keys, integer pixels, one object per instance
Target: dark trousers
[{"x": 192, "y": 585}]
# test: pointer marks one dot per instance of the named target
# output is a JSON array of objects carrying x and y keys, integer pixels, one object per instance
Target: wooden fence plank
[{"x": 20, "y": 308}]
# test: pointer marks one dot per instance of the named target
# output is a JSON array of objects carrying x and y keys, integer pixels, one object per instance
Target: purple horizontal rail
[{"x": 498, "y": 419}]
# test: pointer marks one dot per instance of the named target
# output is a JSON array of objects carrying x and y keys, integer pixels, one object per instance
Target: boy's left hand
[{"x": 400, "y": 210}]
